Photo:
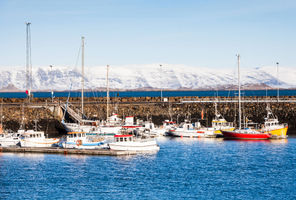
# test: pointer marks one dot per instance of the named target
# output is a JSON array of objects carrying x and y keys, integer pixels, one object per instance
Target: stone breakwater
[{"x": 40, "y": 111}]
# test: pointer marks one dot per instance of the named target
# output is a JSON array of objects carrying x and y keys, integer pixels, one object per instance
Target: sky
[{"x": 191, "y": 32}]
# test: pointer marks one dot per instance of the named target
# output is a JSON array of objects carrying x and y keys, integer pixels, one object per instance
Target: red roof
[
  {"x": 133, "y": 126},
  {"x": 123, "y": 135},
  {"x": 169, "y": 122}
]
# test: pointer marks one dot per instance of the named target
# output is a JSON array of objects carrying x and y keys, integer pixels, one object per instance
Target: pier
[{"x": 53, "y": 150}]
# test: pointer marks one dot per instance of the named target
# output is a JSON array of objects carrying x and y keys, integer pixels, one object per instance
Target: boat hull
[
  {"x": 134, "y": 146},
  {"x": 247, "y": 136},
  {"x": 89, "y": 145},
  {"x": 39, "y": 143},
  {"x": 280, "y": 133},
  {"x": 192, "y": 133},
  {"x": 9, "y": 142},
  {"x": 226, "y": 129}
]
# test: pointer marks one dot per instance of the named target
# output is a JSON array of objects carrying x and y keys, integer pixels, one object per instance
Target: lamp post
[
  {"x": 51, "y": 83},
  {"x": 278, "y": 85},
  {"x": 161, "y": 82}
]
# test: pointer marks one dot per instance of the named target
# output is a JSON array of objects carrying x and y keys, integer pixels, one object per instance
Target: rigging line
[{"x": 75, "y": 67}]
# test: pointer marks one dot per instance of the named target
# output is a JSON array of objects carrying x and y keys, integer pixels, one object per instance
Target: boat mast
[
  {"x": 239, "y": 92},
  {"x": 82, "y": 75},
  {"x": 107, "y": 92},
  {"x": 216, "y": 110},
  {"x": 28, "y": 61},
  {"x": 1, "y": 115}
]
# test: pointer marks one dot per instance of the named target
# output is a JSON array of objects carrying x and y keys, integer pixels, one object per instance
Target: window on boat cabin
[
  {"x": 83, "y": 134},
  {"x": 79, "y": 134},
  {"x": 130, "y": 139},
  {"x": 121, "y": 139},
  {"x": 75, "y": 135},
  {"x": 125, "y": 139},
  {"x": 117, "y": 139},
  {"x": 70, "y": 136}
]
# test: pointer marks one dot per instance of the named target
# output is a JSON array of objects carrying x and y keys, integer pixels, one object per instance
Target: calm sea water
[
  {"x": 182, "y": 169},
  {"x": 152, "y": 93}
]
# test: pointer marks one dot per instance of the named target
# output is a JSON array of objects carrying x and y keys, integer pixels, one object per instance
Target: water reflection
[
  {"x": 26, "y": 155},
  {"x": 280, "y": 141}
]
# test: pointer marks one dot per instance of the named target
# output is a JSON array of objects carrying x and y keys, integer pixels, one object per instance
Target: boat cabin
[
  {"x": 219, "y": 122},
  {"x": 123, "y": 138},
  {"x": 186, "y": 126},
  {"x": 76, "y": 135},
  {"x": 33, "y": 134}
]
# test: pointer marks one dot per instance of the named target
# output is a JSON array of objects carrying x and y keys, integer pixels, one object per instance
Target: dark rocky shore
[{"x": 146, "y": 108}]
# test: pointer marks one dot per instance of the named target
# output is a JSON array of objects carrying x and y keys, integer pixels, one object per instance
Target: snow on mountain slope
[{"x": 145, "y": 76}]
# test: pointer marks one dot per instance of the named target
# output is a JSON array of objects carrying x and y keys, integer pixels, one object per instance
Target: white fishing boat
[
  {"x": 8, "y": 139},
  {"x": 130, "y": 143},
  {"x": 111, "y": 127},
  {"x": 187, "y": 129},
  {"x": 82, "y": 140},
  {"x": 167, "y": 125},
  {"x": 32, "y": 138}
]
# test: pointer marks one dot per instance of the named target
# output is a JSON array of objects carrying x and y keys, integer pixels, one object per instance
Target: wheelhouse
[{"x": 123, "y": 138}]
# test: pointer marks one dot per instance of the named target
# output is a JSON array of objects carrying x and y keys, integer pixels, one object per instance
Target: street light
[
  {"x": 161, "y": 83},
  {"x": 278, "y": 85},
  {"x": 51, "y": 84}
]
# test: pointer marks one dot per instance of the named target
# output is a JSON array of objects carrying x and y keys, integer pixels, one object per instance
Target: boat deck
[{"x": 52, "y": 150}]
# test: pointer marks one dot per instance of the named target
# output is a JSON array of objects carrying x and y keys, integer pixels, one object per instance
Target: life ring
[{"x": 78, "y": 142}]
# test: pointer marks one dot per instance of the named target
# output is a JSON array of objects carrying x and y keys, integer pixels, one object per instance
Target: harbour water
[
  {"x": 209, "y": 93},
  {"x": 182, "y": 169}
]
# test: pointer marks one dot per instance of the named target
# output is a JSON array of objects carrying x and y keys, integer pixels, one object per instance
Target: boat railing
[{"x": 143, "y": 139}]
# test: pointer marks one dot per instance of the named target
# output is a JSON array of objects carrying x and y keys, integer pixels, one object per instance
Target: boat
[
  {"x": 111, "y": 127},
  {"x": 219, "y": 123},
  {"x": 164, "y": 129},
  {"x": 273, "y": 127},
  {"x": 8, "y": 139},
  {"x": 243, "y": 133},
  {"x": 32, "y": 138},
  {"x": 193, "y": 130},
  {"x": 131, "y": 143},
  {"x": 82, "y": 140}
]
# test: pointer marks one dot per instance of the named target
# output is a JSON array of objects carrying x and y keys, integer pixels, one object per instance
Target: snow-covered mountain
[{"x": 145, "y": 76}]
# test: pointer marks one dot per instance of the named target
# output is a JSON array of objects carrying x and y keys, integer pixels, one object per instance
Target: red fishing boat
[{"x": 245, "y": 134}]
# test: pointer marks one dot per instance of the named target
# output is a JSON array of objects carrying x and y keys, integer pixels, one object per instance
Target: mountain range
[{"x": 150, "y": 76}]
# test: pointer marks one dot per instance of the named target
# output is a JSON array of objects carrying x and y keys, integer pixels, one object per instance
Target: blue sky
[{"x": 205, "y": 33}]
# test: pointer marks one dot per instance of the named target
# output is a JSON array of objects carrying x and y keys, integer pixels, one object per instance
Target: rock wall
[{"x": 147, "y": 108}]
